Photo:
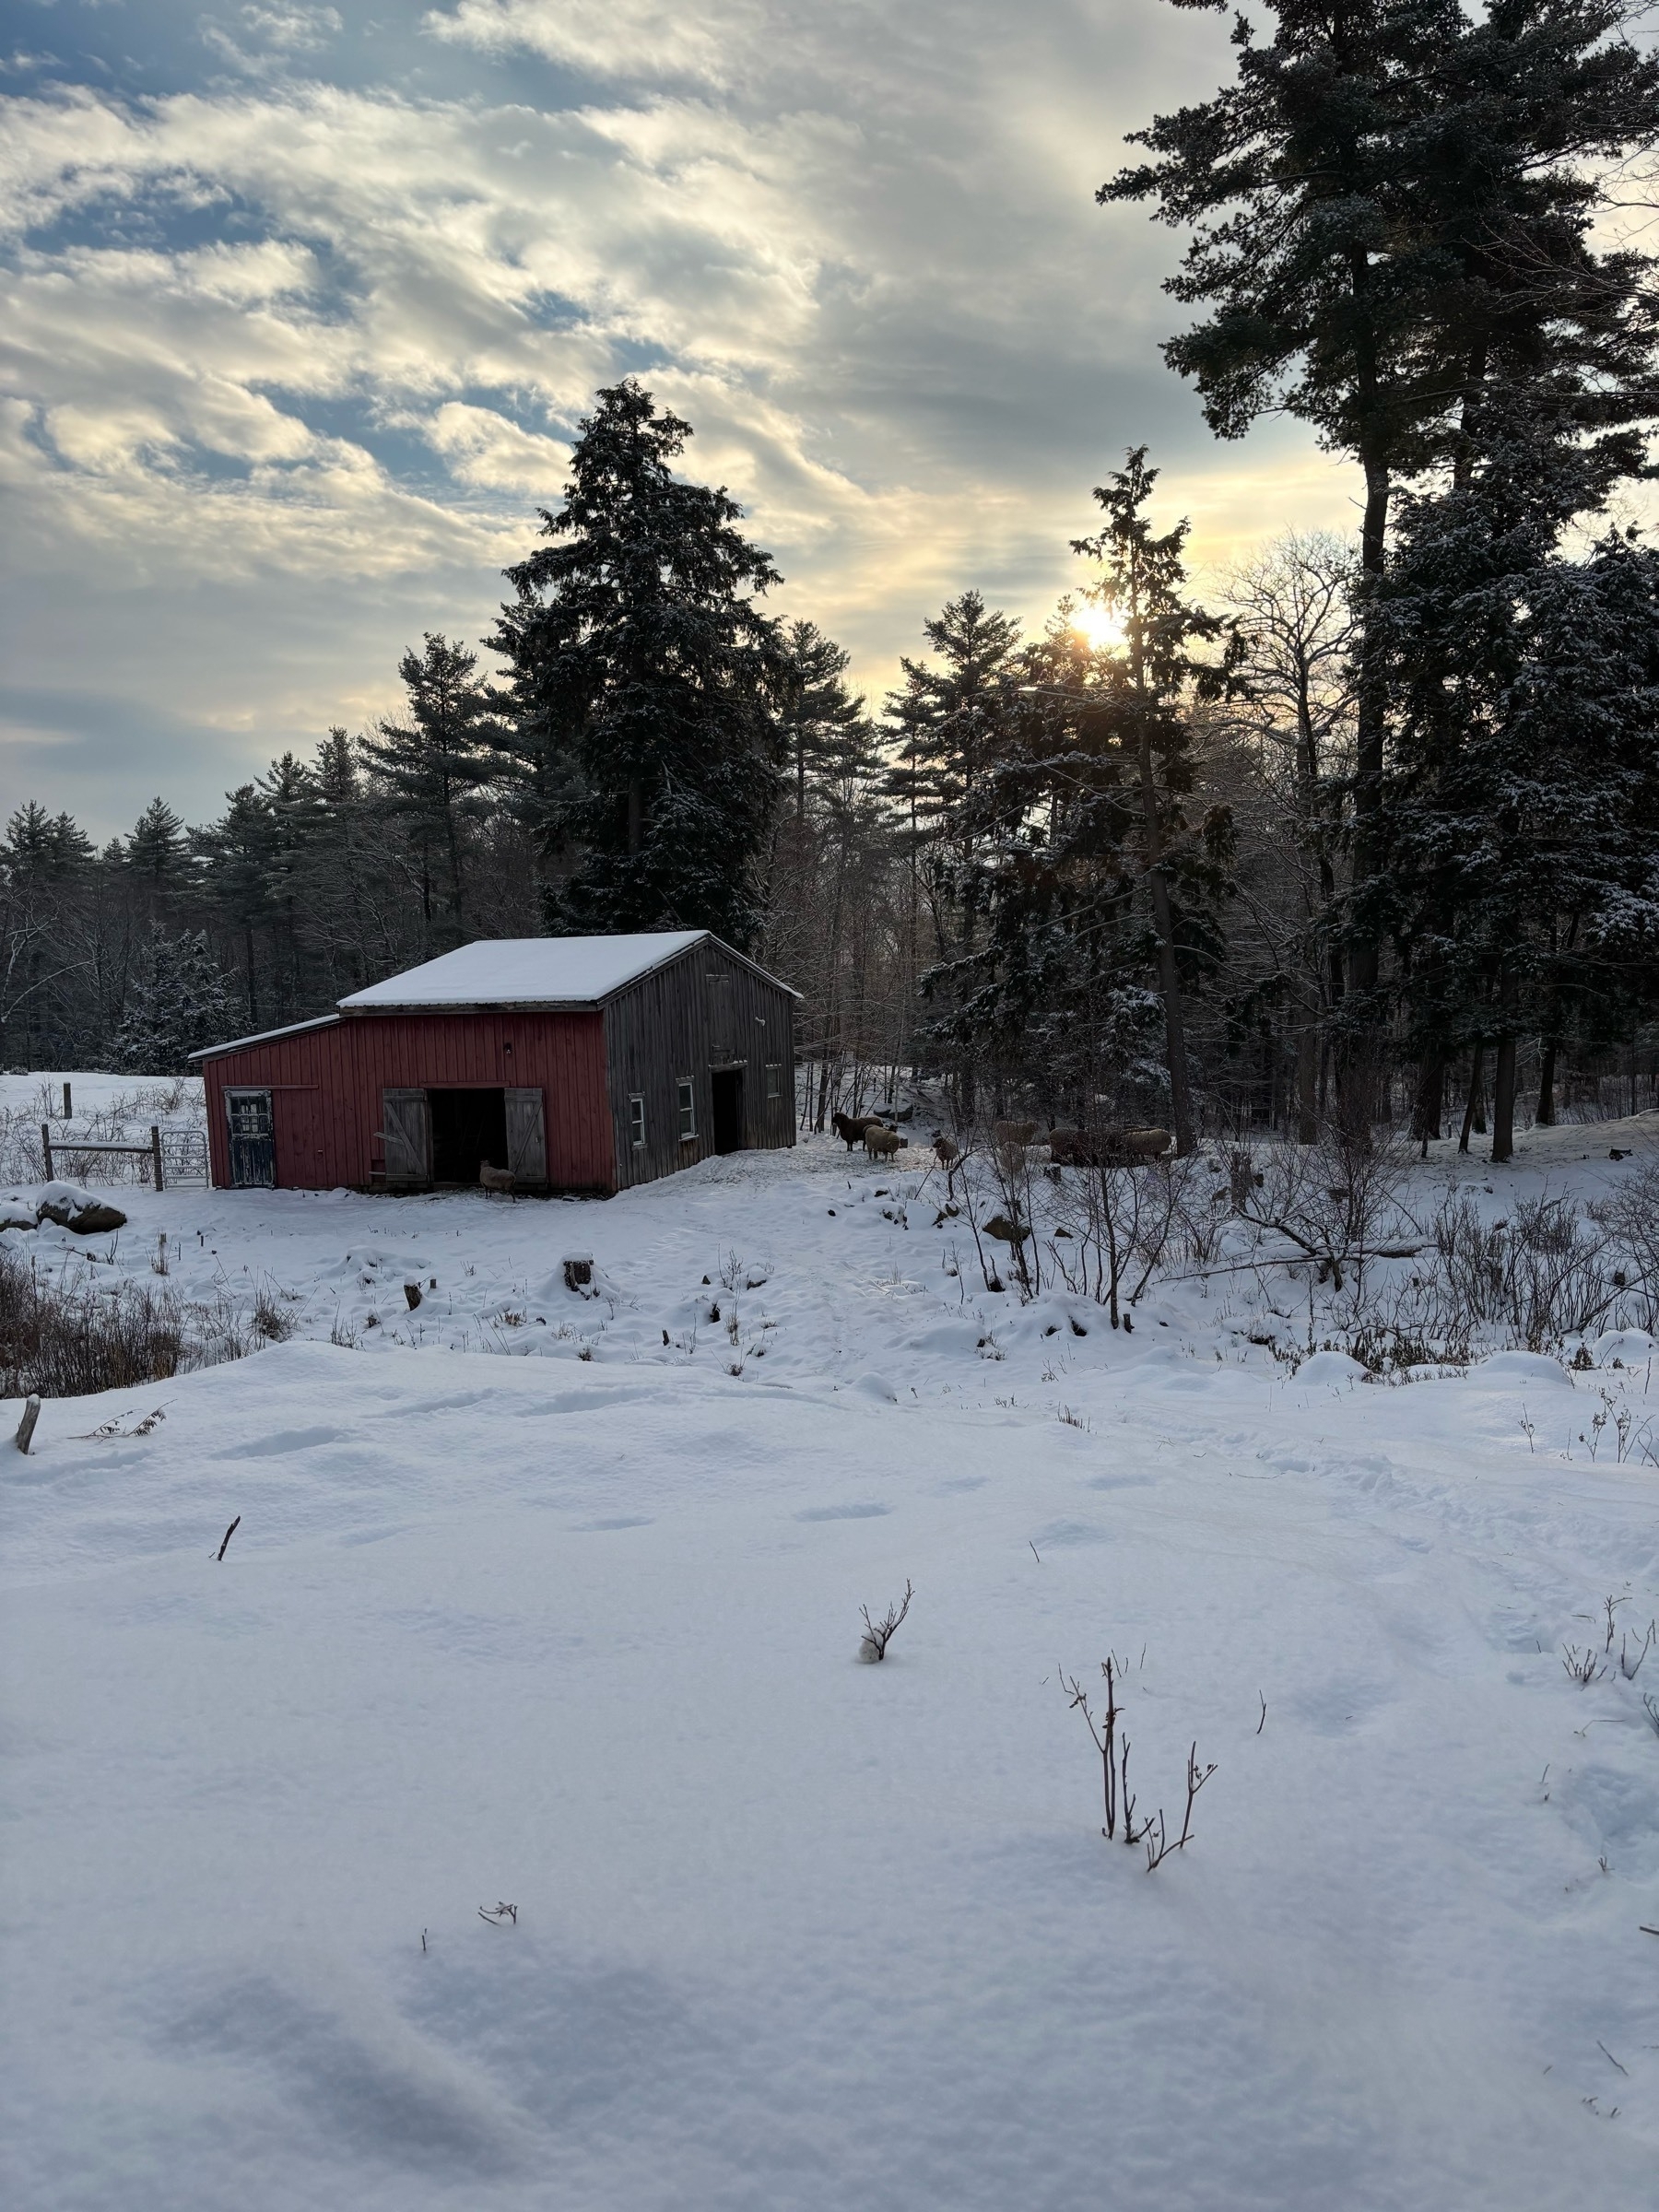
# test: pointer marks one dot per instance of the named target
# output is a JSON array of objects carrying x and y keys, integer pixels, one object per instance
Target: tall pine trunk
[
  {"x": 1431, "y": 1099},
  {"x": 1307, "y": 1078},
  {"x": 1360, "y": 1065},
  {"x": 1181, "y": 1100},
  {"x": 1503, "y": 1079},
  {"x": 1547, "y": 1075},
  {"x": 1474, "y": 1116}
]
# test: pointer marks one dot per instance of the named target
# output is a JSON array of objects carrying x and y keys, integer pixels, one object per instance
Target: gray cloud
[{"x": 287, "y": 363}]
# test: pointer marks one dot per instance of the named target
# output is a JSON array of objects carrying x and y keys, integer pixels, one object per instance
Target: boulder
[
  {"x": 1009, "y": 1232},
  {"x": 93, "y": 1219}
]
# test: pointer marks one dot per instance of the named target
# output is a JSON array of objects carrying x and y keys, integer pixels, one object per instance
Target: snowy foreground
[{"x": 578, "y": 1631}]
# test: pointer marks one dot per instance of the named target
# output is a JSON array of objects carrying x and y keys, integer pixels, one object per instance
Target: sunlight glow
[{"x": 1097, "y": 626}]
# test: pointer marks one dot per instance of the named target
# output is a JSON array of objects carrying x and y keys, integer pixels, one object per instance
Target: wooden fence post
[
  {"x": 155, "y": 1152},
  {"x": 68, "y": 1108},
  {"x": 46, "y": 1148}
]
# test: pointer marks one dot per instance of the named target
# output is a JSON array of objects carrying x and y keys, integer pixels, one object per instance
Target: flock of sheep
[{"x": 1101, "y": 1147}]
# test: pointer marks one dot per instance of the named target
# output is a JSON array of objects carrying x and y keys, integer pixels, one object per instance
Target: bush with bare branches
[{"x": 878, "y": 1634}]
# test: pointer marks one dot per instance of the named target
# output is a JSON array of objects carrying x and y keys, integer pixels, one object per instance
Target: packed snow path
[{"x": 578, "y": 1634}]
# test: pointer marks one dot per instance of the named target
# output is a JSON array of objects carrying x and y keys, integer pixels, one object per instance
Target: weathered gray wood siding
[{"x": 703, "y": 1011}]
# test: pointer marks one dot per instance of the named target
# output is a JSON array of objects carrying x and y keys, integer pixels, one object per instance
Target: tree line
[{"x": 1374, "y": 832}]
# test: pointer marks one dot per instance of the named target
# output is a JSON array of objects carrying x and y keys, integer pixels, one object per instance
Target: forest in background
[{"x": 1371, "y": 836}]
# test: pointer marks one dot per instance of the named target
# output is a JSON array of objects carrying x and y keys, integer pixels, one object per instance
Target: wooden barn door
[
  {"x": 526, "y": 1136},
  {"x": 252, "y": 1139},
  {"x": 406, "y": 1123}
]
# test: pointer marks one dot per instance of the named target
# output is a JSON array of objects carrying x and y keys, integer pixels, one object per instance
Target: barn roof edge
[{"x": 291, "y": 1028}]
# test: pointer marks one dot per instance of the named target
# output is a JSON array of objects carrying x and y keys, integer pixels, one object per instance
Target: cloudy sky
[{"x": 303, "y": 304}]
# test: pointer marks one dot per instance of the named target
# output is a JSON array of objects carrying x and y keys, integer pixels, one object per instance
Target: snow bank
[{"x": 575, "y": 1631}]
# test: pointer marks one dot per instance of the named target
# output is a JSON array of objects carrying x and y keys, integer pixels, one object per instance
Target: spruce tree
[
  {"x": 948, "y": 728},
  {"x": 178, "y": 1001},
  {"x": 1168, "y": 658},
  {"x": 1058, "y": 993},
  {"x": 646, "y": 689}
]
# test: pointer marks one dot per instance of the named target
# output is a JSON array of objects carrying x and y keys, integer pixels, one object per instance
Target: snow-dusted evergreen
[{"x": 178, "y": 1001}]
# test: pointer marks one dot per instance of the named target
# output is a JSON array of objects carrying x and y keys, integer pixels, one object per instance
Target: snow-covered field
[{"x": 577, "y": 1631}]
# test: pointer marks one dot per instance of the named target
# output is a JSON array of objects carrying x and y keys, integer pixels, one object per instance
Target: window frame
[
  {"x": 774, "y": 1080},
  {"x": 686, "y": 1097},
  {"x": 636, "y": 1120}
]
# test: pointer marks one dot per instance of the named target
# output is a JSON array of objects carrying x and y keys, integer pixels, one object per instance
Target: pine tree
[
  {"x": 178, "y": 1001},
  {"x": 157, "y": 859},
  {"x": 433, "y": 767},
  {"x": 1058, "y": 991},
  {"x": 949, "y": 727},
  {"x": 235, "y": 855},
  {"x": 1392, "y": 208},
  {"x": 820, "y": 717},
  {"x": 646, "y": 689},
  {"x": 45, "y": 860},
  {"x": 1160, "y": 675},
  {"x": 1523, "y": 855}
]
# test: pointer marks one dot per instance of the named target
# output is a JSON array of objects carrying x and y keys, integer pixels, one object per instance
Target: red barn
[{"x": 580, "y": 1064}]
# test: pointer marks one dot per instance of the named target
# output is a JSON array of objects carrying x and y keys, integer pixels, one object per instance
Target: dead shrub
[
  {"x": 273, "y": 1322},
  {"x": 68, "y": 1339},
  {"x": 1631, "y": 1216},
  {"x": 878, "y": 1634}
]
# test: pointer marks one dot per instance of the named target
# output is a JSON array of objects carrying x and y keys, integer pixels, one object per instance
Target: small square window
[
  {"x": 636, "y": 1118},
  {"x": 775, "y": 1079},
  {"x": 687, "y": 1110}
]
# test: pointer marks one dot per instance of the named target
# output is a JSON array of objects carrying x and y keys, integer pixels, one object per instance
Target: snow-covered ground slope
[{"x": 578, "y": 1633}]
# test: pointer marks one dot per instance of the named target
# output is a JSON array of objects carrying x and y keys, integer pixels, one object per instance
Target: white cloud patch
[
  {"x": 634, "y": 40},
  {"x": 259, "y": 40}
]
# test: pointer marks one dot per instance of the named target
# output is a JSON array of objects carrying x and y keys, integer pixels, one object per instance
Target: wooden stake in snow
[
  {"x": 228, "y": 1534},
  {"x": 26, "y": 1426}
]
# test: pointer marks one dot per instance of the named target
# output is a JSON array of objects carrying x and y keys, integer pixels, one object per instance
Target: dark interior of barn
[{"x": 468, "y": 1127}]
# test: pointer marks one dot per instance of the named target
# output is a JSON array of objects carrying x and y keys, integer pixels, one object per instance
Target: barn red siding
[{"x": 326, "y": 1085}]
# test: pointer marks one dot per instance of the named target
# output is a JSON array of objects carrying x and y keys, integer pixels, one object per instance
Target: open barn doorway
[
  {"x": 726, "y": 1084},
  {"x": 468, "y": 1127}
]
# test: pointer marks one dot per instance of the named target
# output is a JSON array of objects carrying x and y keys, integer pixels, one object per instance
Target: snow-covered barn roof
[
  {"x": 291, "y": 1028},
  {"x": 534, "y": 971}
]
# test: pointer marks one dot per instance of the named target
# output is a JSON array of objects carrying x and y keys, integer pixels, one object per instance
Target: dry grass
[{"x": 67, "y": 1334}]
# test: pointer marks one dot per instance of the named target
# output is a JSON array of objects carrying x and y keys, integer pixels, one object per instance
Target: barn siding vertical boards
[
  {"x": 705, "y": 1009},
  {"x": 326, "y": 1083}
]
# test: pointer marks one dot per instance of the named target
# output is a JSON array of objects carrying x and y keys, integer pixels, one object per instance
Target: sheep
[
  {"x": 945, "y": 1151},
  {"x": 849, "y": 1127},
  {"x": 1147, "y": 1143},
  {"x": 881, "y": 1144},
  {"x": 1106, "y": 1147},
  {"x": 1018, "y": 1134},
  {"x": 496, "y": 1179}
]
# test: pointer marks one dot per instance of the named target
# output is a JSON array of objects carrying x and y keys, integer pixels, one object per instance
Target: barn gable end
[{"x": 707, "y": 1014}]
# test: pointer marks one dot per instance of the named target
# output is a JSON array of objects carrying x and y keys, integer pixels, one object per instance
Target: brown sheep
[
  {"x": 849, "y": 1127},
  {"x": 945, "y": 1151},
  {"x": 1106, "y": 1147},
  {"x": 1147, "y": 1143},
  {"x": 1013, "y": 1132},
  {"x": 881, "y": 1144}
]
